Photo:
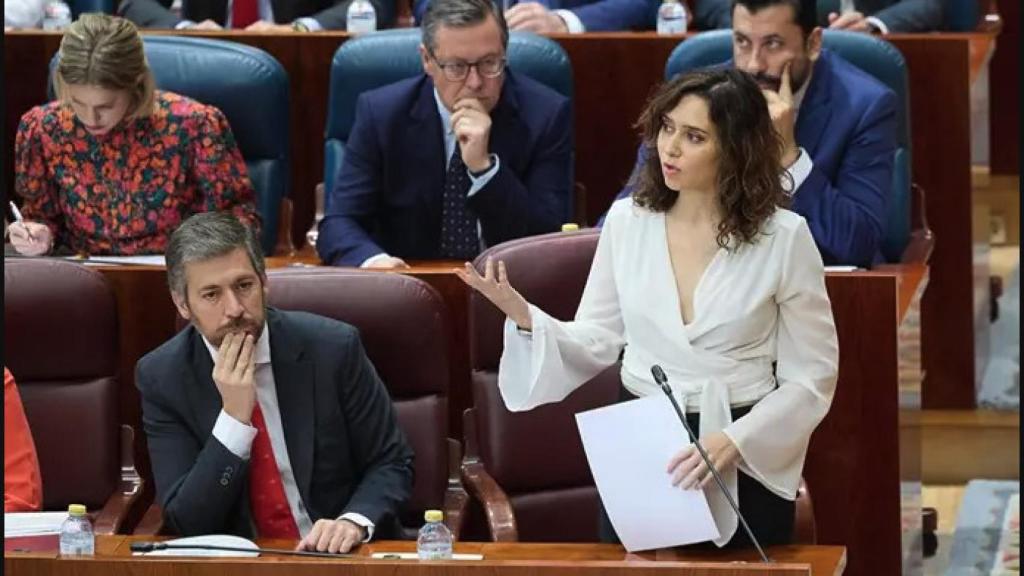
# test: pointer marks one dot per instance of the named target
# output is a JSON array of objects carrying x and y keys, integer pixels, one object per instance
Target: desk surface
[{"x": 114, "y": 556}]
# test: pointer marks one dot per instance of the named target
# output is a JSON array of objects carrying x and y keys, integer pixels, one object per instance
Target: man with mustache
[
  {"x": 837, "y": 123},
  {"x": 262, "y": 422}
]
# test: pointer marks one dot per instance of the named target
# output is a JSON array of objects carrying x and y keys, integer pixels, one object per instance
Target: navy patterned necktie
[{"x": 458, "y": 225}]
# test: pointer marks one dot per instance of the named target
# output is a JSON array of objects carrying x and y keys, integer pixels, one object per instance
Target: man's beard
[
  {"x": 242, "y": 325},
  {"x": 774, "y": 83}
]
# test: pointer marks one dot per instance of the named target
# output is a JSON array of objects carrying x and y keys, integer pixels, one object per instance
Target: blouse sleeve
[
  {"x": 219, "y": 170},
  {"x": 773, "y": 437},
  {"x": 557, "y": 357},
  {"x": 23, "y": 489},
  {"x": 31, "y": 181}
]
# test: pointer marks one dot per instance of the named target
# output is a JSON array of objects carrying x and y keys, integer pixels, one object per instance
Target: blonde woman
[{"x": 113, "y": 166}]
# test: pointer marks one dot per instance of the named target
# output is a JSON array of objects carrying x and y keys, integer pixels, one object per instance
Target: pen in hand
[{"x": 21, "y": 220}]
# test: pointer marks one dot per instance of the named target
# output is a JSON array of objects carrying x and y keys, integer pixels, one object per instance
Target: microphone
[
  {"x": 152, "y": 546},
  {"x": 662, "y": 380}
]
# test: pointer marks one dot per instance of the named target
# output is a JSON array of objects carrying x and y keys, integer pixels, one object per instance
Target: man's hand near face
[
  {"x": 472, "y": 126},
  {"x": 233, "y": 373},
  {"x": 783, "y": 113}
]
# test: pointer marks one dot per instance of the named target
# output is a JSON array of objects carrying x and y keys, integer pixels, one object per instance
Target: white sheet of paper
[
  {"x": 208, "y": 540},
  {"x": 841, "y": 268},
  {"x": 147, "y": 260},
  {"x": 33, "y": 523},
  {"x": 628, "y": 446}
]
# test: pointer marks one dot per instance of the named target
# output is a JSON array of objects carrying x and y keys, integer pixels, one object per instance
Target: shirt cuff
[
  {"x": 184, "y": 24},
  {"x": 572, "y": 21},
  {"x": 373, "y": 259},
  {"x": 480, "y": 181},
  {"x": 800, "y": 170},
  {"x": 359, "y": 520},
  {"x": 877, "y": 23},
  {"x": 234, "y": 435},
  {"x": 312, "y": 24}
]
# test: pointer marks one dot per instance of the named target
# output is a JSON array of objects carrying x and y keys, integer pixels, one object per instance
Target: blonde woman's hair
[{"x": 106, "y": 51}]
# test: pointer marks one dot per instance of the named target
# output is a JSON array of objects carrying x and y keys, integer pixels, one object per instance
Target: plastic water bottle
[
  {"x": 672, "y": 17},
  {"x": 435, "y": 540},
  {"x": 76, "y": 537},
  {"x": 361, "y": 18},
  {"x": 56, "y": 15}
]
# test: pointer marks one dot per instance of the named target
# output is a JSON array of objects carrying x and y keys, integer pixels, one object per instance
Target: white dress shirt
[
  {"x": 238, "y": 437},
  {"x": 476, "y": 182},
  {"x": 24, "y": 13},
  {"x": 762, "y": 303}
]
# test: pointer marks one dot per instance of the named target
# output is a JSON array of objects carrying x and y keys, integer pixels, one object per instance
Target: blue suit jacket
[
  {"x": 596, "y": 15},
  {"x": 847, "y": 123},
  {"x": 388, "y": 194}
]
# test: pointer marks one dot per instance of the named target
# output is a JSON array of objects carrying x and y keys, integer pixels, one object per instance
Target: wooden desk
[
  {"x": 608, "y": 99},
  {"x": 857, "y": 459},
  {"x": 114, "y": 557}
]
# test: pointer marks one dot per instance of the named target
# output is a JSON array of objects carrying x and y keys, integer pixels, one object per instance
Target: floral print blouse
[{"x": 125, "y": 191}]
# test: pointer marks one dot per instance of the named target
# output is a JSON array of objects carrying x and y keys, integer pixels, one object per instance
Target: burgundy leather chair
[
  {"x": 61, "y": 335},
  {"x": 528, "y": 470},
  {"x": 404, "y": 326}
]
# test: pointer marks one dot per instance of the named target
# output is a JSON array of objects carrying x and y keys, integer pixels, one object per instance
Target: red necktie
[
  {"x": 270, "y": 510},
  {"x": 243, "y": 13}
]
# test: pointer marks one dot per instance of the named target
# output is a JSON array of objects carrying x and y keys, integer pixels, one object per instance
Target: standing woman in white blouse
[{"x": 703, "y": 273}]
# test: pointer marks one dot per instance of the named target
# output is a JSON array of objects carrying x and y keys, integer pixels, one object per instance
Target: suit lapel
[
  {"x": 423, "y": 147},
  {"x": 295, "y": 385},
  {"x": 815, "y": 110},
  {"x": 508, "y": 132}
]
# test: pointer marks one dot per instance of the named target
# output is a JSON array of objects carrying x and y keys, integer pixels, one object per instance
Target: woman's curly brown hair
[{"x": 749, "y": 152}]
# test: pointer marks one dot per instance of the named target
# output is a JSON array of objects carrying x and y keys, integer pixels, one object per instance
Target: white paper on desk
[
  {"x": 628, "y": 446},
  {"x": 147, "y": 260},
  {"x": 208, "y": 540},
  {"x": 33, "y": 523},
  {"x": 841, "y": 268}
]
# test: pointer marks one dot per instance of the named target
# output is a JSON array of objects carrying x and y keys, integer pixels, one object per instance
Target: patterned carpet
[
  {"x": 987, "y": 536},
  {"x": 1000, "y": 387}
]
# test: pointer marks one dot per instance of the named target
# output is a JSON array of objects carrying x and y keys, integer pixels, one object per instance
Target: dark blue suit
[
  {"x": 847, "y": 123},
  {"x": 388, "y": 194},
  {"x": 596, "y": 15}
]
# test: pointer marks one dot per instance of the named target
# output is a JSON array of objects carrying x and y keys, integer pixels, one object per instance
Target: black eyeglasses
[{"x": 490, "y": 67}]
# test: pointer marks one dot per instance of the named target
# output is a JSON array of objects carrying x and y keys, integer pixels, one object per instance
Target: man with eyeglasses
[{"x": 465, "y": 156}]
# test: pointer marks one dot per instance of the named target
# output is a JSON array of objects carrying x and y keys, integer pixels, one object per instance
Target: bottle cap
[
  {"x": 433, "y": 516},
  {"x": 570, "y": 227},
  {"x": 76, "y": 509}
]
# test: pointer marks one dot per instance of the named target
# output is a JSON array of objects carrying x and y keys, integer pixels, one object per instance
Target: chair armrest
[
  {"x": 484, "y": 488},
  {"x": 991, "y": 22},
  {"x": 285, "y": 246},
  {"x": 922, "y": 240},
  {"x": 121, "y": 503},
  {"x": 804, "y": 527},
  {"x": 152, "y": 523},
  {"x": 456, "y": 499}
]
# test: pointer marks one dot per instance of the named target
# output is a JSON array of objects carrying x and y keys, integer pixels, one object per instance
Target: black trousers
[{"x": 769, "y": 516}]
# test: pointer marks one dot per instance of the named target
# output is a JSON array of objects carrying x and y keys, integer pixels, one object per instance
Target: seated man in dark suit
[
  {"x": 887, "y": 16},
  {"x": 466, "y": 155},
  {"x": 837, "y": 123},
  {"x": 261, "y": 422},
  {"x": 872, "y": 16},
  {"x": 572, "y": 16},
  {"x": 252, "y": 15}
]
